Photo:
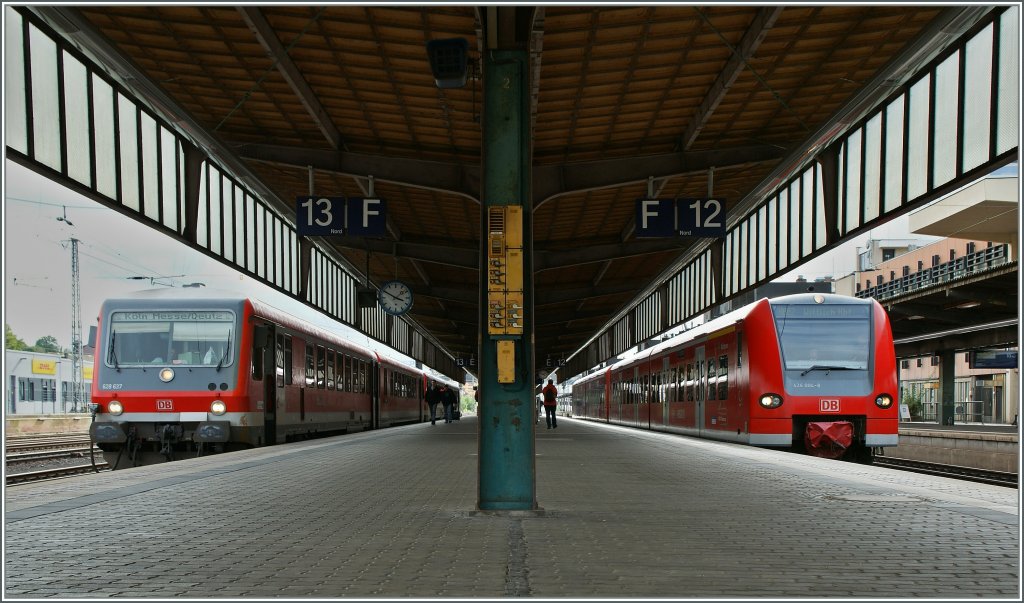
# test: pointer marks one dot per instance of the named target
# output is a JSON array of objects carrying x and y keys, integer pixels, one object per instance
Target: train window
[
  {"x": 279, "y": 360},
  {"x": 723, "y": 377},
  {"x": 799, "y": 329},
  {"x": 350, "y": 374},
  {"x": 698, "y": 380},
  {"x": 330, "y": 368},
  {"x": 739, "y": 349},
  {"x": 256, "y": 362},
  {"x": 346, "y": 372},
  {"x": 321, "y": 366},
  {"x": 360, "y": 373},
  {"x": 181, "y": 338},
  {"x": 310, "y": 365},
  {"x": 288, "y": 360},
  {"x": 712, "y": 381}
]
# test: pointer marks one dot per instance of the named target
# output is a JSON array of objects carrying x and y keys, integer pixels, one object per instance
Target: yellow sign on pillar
[
  {"x": 506, "y": 361},
  {"x": 505, "y": 270}
]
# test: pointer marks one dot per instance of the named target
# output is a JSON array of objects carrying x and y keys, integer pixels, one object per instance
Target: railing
[
  {"x": 970, "y": 264},
  {"x": 969, "y": 411}
]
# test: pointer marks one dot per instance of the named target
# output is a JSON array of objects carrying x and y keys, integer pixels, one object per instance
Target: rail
[{"x": 999, "y": 478}]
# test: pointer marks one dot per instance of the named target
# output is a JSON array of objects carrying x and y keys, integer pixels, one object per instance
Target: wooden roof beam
[{"x": 276, "y": 51}]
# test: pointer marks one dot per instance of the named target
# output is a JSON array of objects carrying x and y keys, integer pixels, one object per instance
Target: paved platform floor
[{"x": 625, "y": 514}]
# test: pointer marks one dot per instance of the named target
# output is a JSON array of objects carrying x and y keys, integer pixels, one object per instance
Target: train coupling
[
  {"x": 828, "y": 439},
  {"x": 107, "y": 433},
  {"x": 212, "y": 431}
]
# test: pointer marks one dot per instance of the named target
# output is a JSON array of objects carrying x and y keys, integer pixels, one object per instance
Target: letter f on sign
[
  {"x": 645, "y": 212},
  {"x": 367, "y": 212}
]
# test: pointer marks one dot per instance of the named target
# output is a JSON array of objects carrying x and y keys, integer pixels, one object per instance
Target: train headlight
[
  {"x": 770, "y": 401},
  {"x": 218, "y": 407},
  {"x": 883, "y": 401},
  {"x": 166, "y": 374},
  {"x": 115, "y": 408}
]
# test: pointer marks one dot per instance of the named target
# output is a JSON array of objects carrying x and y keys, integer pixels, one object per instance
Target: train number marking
[
  {"x": 107, "y": 386},
  {"x": 828, "y": 405},
  {"x": 164, "y": 405}
]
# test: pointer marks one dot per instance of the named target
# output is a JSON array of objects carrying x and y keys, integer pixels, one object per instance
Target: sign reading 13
[{"x": 320, "y": 215}]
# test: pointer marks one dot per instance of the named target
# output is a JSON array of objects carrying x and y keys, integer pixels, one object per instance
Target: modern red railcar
[
  {"x": 188, "y": 375},
  {"x": 808, "y": 371}
]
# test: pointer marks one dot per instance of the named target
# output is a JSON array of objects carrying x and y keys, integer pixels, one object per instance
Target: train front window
[
  {"x": 170, "y": 337},
  {"x": 833, "y": 337}
]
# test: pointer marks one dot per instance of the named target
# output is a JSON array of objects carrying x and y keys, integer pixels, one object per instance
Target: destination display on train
[
  {"x": 195, "y": 316},
  {"x": 685, "y": 217},
  {"x": 820, "y": 311}
]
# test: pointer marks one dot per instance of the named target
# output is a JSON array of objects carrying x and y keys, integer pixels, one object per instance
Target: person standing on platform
[
  {"x": 550, "y": 393},
  {"x": 448, "y": 399},
  {"x": 433, "y": 397}
]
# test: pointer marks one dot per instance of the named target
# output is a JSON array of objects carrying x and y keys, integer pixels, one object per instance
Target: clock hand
[{"x": 392, "y": 295}]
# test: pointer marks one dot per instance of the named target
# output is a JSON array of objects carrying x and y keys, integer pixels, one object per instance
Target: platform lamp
[{"x": 449, "y": 62}]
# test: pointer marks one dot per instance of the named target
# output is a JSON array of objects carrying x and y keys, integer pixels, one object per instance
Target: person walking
[
  {"x": 550, "y": 393},
  {"x": 433, "y": 396},
  {"x": 448, "y": 399}
]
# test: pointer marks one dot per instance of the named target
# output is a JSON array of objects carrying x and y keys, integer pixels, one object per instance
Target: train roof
[{"x": 260, "y": 307}]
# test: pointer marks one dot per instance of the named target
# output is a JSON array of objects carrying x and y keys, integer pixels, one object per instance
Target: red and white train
[
  {"x": 177, "y": 376},
  {"x": 808, "y": 371}
]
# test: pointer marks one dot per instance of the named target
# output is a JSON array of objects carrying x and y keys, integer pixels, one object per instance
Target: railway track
[
  {"x": 26, "y": 443},
  {"x": 44, "y": 474},
  {"x": 49, "y": 456},
  {"x": 986, "y": 476}
]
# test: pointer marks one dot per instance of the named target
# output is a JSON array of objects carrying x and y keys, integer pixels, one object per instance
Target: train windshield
[
  {"x": 176, "y": 337},
  {"x": 827, "y": 337}
]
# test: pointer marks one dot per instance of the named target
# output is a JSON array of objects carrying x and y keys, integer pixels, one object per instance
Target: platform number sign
[
  {"x": 687, "y": 217},
  {"x": 351, "y": 216}
]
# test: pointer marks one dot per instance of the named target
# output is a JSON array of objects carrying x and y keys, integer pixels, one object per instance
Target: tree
[
  {"x": 48, "y": 344},
  {"x": 11, "y": 341}
]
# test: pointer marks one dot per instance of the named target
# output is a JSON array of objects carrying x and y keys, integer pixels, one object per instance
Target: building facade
[{"x": 42, "y": 384}]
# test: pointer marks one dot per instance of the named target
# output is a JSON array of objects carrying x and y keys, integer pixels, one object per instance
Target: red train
[
  {"x": 808, "y": 371},
  {"x": 177, "y": 376}
]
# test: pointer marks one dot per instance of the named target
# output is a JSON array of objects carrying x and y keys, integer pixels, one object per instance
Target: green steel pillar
[
  {"x": 947, "y": 385},
  {"x": 506, "y": 368}
]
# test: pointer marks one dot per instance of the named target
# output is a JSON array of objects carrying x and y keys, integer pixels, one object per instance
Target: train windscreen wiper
[
  {"x": 224, "y": 356},
  {"x": 828, "y": 368},
  {"x": 113, "y": 354}
]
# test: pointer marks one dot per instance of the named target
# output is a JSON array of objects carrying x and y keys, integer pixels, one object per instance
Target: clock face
[{"x": 395, "y": 297}]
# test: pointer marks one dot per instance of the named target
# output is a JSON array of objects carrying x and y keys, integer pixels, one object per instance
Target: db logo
[
  {"x": 164, "y": 405},
  {"x": 828, "y": 405}
]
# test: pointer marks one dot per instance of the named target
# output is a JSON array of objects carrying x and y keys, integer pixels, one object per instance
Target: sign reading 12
[{"x": 688, "y": 217}]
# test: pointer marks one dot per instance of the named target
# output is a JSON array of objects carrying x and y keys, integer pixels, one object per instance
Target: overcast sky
[{"x": 111, "y": 248}]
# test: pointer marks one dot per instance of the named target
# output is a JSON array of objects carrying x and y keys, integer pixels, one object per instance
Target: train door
[
  {"x": 701, "y": 387},
  {"x": 377, "y": 387},
  {"x": 265, "y": 358},
  {"x": 668, "y": 390},
  {"x": 637, "y": 398}
]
